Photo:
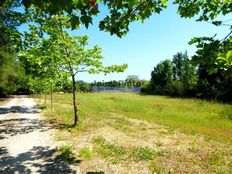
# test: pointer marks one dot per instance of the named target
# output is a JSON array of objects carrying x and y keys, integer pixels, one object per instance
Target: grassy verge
[{"x": 120, "y": 132}]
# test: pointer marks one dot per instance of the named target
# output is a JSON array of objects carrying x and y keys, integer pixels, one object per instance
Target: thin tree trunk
[
  {"x": 40, "y": 97},
  {"x": 74, "y": 100},
  {"x": 45, "y": 98},
  {"x": 51, "y": 90}
]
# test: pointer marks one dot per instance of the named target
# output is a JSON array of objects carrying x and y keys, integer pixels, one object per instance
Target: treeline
[
  {"x": 82, "y": 86},
  {"x": 131, "y": 81},
  {"x": 12, "y": 74},
  {"x": 181, "y": 77}
]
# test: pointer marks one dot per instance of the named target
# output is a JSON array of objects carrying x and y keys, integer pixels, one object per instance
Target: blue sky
[
  {"x": 146, "y": 44},
  {"x": 158, "y": 38}
]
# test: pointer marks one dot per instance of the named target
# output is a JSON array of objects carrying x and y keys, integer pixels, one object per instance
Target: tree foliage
[
  {"x": 52, "y": 52},
  {"x": 189, "y": 79},
  {"x": 115, "y": 21},
  {"x": 161, "y": 77},
  {"x": 12, "y": 76},
  {"x": 205, "y": 10},
  {"x": 9, "y": 21}
]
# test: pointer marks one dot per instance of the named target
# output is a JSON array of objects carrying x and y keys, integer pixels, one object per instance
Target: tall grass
[{"x": 190, "y": 115}]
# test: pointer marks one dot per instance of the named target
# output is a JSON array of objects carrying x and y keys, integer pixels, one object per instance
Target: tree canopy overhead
[
  {"x": 204, "y": 9},
  {"x": 116, "y": 19}
]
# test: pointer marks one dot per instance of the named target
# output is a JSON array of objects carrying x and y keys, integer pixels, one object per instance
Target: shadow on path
[
  {"x": 25, "y": 162},
  {"x": 19, "y": 109},
  {"x": 15, "y": 126},
  {"x": 39, "y": 159}
]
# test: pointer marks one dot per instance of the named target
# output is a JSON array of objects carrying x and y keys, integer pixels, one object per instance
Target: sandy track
[{"x": 26, "y": 145}]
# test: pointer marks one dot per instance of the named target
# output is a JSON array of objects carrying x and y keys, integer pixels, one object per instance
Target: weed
[
  {"x": 66, "y": 153},
  {"x": 216, "y": 158},
  {"x": 163, "y": 153},
  {"x": 99, "y": 140},
  {"x": 154, "y": 168},
  {"x": 85, "y": 153},
  {"x": 143, "y": 154},
  {"x": 107, "y": 150},
  {"x": 42, "y": 106}
]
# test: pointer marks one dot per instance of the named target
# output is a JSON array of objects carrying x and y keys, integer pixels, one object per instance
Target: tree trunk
[
  {"x": 74, "y": 100},
  {"x": 40, "y": 97},
  {"x": 51, "y": 90},
  {"x": 45, "y": 98}
]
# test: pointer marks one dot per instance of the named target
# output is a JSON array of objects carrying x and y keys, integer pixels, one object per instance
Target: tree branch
[
  {"x": 227, "y": 36},
  {"x": 81, "y": 71}
]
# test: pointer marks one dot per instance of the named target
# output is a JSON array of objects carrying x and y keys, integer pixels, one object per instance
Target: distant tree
[
  {"x": 11, "y": 73},
  {"x": 83, "y": 86},
  {"x": 184, "y": 74},
  {"x": 10, "y": 19},
  {"x": 132, "y": 80},
  {"x": 161, "y": 77}
]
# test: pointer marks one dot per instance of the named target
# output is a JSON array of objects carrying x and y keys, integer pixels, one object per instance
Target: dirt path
[{"x": 26, "y": 145}]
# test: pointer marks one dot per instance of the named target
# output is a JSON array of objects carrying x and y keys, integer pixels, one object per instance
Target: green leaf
[
  {"x": 75, "y": 22},
  {"x": 86, "y": 20},
  {"x": 26, "y": 3}
]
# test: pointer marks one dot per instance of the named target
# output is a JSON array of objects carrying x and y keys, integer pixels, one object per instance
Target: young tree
[
  {"x": 39, "y": 62},
  {"x": 73, "y": 57},
  {"x": 66, "y": 54}
]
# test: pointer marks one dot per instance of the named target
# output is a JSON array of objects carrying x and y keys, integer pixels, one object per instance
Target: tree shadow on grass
[
  {"x": 30, "y": 162},
  {"x": 12, "y": 127},
  {"x": 59, "y": 125}
]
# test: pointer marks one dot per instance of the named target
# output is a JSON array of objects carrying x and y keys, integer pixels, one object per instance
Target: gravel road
[{"x": 26, "y": 144}]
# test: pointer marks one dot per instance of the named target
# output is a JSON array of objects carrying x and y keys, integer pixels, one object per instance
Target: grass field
[{"x": 146, "y": 134}]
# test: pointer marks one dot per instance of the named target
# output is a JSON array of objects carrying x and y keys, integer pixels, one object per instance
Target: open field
[{"x": 132, "y": 133}]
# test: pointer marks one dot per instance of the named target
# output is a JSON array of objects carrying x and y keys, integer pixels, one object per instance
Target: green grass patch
[
  {"x": 115, "y": 153},
  {"x": 66, "y": 153},
  {"x": 189, "y": 115},
  {"x": 107, "y": 150},
  {"x": 42, "y": 106},
  {"x": 156, "y": 169},
  {"x": 122, "y": 124},
  {"x": 143, "y": 154},
  {"x": 85, "y": 153}
]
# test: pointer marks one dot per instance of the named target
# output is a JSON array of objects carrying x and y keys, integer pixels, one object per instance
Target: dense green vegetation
[
  {"x": 12, "y": 75},
  {"x": 181, "y": 77}
]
